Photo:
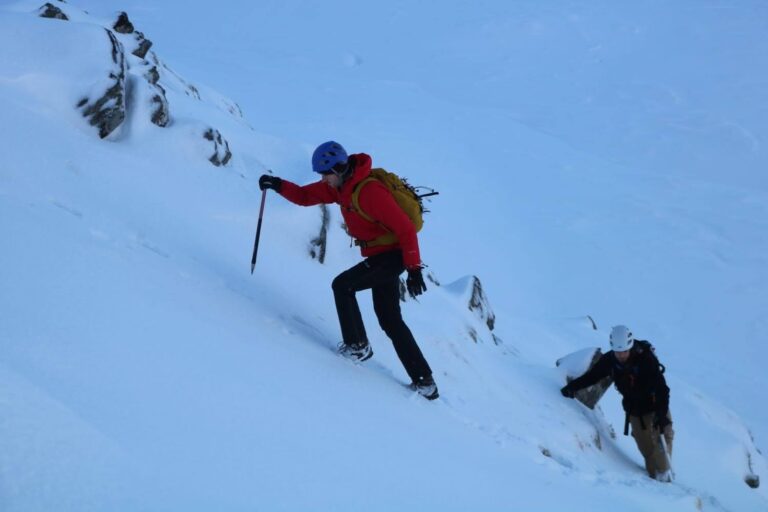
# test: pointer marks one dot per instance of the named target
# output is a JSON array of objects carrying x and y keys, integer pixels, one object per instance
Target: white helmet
[{"x": 621, "y": 338}]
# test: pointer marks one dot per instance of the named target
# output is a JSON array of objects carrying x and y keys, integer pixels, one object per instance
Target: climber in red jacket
[{"x": 341, "y": 174}]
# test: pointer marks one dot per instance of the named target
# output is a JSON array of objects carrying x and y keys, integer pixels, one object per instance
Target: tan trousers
[{"x": 647, "y": 439}]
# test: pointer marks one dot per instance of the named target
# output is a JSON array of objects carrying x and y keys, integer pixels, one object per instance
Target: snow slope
[{"x": 579, "y": 154}]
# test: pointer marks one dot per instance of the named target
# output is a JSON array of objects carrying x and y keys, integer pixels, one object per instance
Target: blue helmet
[{"x": 327, "y": 155}]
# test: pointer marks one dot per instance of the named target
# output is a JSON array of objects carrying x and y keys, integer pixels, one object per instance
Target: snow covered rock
[
  {"x": 173, "y": 79},
  {"x": 221, "y": 152},
  {"x": 160, "y": 110},
  {"x": 141, "y": 45},
  {"x": 752, "y": 479},
  {"x": 75, "y": 69},
  {"x": 478, "y": 302},
  {"x": 575, "y": 365},
  {"x": 470, "y": 291},
  {"x": 317, "y": 246},
  {"x": 105, "y": 71},
  {"x": 123, "y": 25},
  {"x": 138, "y": 46},
  {"x": 106, "y": 108},
  {"x": 51, "y": 11}
]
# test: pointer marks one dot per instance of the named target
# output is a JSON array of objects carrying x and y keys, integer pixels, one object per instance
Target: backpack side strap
[{"x": 388, "y": 238}]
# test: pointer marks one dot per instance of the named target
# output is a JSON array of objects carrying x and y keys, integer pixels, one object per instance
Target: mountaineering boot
[
  {"x": 357, "y": 352},
  {"x": 426, "y": 387}
]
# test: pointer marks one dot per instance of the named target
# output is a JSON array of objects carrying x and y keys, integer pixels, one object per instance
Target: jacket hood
[{"x": 361, "y": 169}]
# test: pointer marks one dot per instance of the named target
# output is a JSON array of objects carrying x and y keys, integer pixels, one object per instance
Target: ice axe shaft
[
  {"x": 663, "y": 448},
  {"x": 258, "y": 230}
]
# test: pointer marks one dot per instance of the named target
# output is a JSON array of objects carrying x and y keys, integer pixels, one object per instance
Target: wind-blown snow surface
[{"x": 603, "y": 159}]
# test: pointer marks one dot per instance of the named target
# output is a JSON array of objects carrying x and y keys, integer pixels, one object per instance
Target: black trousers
[{"x": 380, "y": 274}]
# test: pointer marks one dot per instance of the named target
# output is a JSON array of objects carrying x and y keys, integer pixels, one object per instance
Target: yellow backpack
[{"x": 406, "y": 197}]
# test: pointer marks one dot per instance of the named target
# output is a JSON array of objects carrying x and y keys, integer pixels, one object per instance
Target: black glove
[
  {"x": 567, "y": 391},
  {"x": 660, "y": 421},
  {"x": 414, "y": 283},
  {"x": 267, "y": 181}
]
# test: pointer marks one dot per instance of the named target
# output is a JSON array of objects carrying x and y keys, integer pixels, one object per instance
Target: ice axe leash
[{"x": 258, "y": 230}]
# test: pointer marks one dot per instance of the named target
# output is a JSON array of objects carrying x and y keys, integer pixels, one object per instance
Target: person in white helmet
[{"x": 639, "y": 377}]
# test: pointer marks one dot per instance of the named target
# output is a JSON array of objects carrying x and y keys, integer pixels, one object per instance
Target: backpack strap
[
  {"x": 356, "y": 199},
  {"x": 388, "y": 238},
  {"x": 645, "y": 347}
]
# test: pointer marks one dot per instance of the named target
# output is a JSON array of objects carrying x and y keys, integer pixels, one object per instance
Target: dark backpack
[{"x": 645, "y": 349}]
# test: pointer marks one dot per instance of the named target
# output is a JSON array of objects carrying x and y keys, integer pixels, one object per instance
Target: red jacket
[{"x": 375, "y": 200}]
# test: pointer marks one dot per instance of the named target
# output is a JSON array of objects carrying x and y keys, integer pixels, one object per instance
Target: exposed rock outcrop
[
  {"x": 317, "y": 245},
  {"x": 235, "y": 110},
  {"x": 51, "y": 11},
  {"x": 573, "y": 363},
  {"x": 189, "y": 89},
  {"x": 138, "y": 46},
  {"x": 478, "y": 302},
  {"x": 141, "y": 44},
  {"x": 160, "y": 112},
  {"x": 138, "y": 80},
  {"x": 107, "y": 112},
  {"x": 123, "y": 25},
  {"x": 221, "y": 153}
]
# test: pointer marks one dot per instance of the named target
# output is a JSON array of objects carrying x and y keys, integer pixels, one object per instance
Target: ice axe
[
  {"x": 258, "y": 230},
  {"x": 663, "y": 448}
]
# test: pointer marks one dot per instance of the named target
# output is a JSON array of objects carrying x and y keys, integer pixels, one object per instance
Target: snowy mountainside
[
  {"x": 118, "y": 83},
  {"x": 144, "y": 368}
]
